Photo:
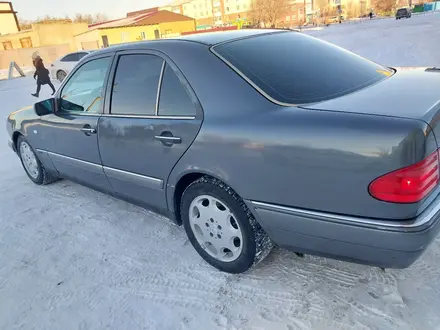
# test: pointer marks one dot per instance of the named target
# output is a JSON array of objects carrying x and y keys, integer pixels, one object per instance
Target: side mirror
[{"x": 45, "y": 107}]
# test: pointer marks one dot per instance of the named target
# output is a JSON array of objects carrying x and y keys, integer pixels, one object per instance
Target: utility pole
[{"x": 304, "y": 11}]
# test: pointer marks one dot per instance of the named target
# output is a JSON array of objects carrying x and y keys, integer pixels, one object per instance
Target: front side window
[
  {"x": 83, "y": 92},
  {"x": 174, "y": 99},
  {"x": 136, "y": 84},
  {"x": 293, "y": 68}
]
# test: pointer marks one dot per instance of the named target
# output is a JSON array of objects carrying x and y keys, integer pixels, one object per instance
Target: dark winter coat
[{"x": 41, "y": 72}]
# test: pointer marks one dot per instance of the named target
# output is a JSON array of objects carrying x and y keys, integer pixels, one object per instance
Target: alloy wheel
[
  {"x": 215, "y": 228},
  {"x": 29, "y": 160}
]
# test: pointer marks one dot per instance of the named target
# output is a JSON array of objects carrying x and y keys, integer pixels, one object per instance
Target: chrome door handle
[
  {"x": 88, "y": 131},
  {"x": 168, "y": 139}
]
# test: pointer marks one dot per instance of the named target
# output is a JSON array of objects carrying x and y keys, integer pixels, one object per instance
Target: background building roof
[{"x": 149, "y": 18}]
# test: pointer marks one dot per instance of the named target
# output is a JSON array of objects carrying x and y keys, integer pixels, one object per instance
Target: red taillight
[{"x": 408, "y": 185}]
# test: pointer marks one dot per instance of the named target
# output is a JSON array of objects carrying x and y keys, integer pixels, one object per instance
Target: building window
[
  {"x": 143, "y": 36},
  {"x": 227, "y": 8},
  {"x": 238, "y": 7},
  {"x": 26, "y": 42},
  {"x": 7, "y": 45},
  {"x": 288, "y": 18}
]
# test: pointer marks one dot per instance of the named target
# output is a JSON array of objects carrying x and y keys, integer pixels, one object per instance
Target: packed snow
[
  {"x": 73, "y": 258},
  {"x": 28, "y": 71}
]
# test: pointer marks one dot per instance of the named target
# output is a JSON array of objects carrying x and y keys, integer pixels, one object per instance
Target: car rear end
[
  {"x": 402, "y": 13},
  {"x": 360, "y": 175}
]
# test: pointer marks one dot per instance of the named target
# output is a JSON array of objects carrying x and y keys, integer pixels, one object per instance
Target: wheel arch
[
  {"x": 61, "y": 70},
  {"x": 177, "y": 190},
  {"x": 15, "y": 137}
]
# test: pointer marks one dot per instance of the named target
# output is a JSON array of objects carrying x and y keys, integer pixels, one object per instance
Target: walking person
[{"x": 41, "y": 73}]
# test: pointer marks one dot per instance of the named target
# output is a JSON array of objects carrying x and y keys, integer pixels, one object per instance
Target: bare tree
[
  {"x": 100, "y": 17},
  {"x": 321, "y": 4},
  {"x": 257, "y": 14},
  {"x": 326, "y": 9},
  {"x": 269, "y": 12},
  {"x": 78, "y": 18},
  {"x": 24, "y": 24},
  {"x": 385, "y": 6},
  {"x": 52, "y": 19},
  {"x": 353, "y": 8},
  {"x": 89, "y": 19},
  {"x": 83, "y": 18}
]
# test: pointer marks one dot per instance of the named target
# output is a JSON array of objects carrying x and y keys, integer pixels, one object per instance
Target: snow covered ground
[
  {"x": 28, "y": 71},
  {"x": 73, "y": 258}
]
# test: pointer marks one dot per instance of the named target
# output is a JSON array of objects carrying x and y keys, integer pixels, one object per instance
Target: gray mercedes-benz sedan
[{"x": 251, "y": 138}]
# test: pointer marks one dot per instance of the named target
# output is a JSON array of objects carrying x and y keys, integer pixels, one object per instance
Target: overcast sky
[{"x": 32, "y": 9}]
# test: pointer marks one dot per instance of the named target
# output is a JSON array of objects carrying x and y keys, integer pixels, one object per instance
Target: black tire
[
  {"x": 256, "y": 243},
  {"x": 61, "y": 75},
  {"x": 43, "y": 177}
]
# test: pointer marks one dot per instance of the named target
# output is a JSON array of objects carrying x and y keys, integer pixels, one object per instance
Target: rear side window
[
  {"x": 136, "y": 85},
  {"x": 174, "y": 99},
  {"x": 70, "y": 58},
  {"x": 81, "y": 55},
  {"x": 293, "y": 68}
]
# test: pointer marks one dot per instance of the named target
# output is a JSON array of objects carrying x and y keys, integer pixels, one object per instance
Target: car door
[
  {"x": 73, "y": 127},
  {"x": 152, "y": 118}
]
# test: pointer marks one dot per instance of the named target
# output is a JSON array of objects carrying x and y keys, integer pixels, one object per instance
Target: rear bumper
[{"x": 387, "y": 244}]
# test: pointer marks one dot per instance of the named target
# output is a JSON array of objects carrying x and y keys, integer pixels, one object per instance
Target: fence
[{"x": 23, "y": 56}]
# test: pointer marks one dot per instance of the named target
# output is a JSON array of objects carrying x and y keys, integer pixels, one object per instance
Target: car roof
[
  {"x": 208, "y": 39},
  {"x": 213, "y": 38},
  {"x": 78, "y": 51}
]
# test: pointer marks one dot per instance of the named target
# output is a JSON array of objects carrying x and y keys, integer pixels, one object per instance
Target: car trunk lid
[{"x": 412, "y": 93}]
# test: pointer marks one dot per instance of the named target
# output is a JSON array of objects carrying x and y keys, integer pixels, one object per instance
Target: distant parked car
[
  {"x": 403, "y": 13},
  {"x": 250, "y": 137},
  {"x": 62, "y": 66},
  {"x": 335, "y": 19}
]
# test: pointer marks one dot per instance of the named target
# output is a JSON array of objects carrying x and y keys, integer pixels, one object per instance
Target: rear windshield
[
  {"x": 293, "y": 68},
  {"x": 401, "y": 11}
]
